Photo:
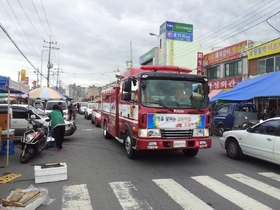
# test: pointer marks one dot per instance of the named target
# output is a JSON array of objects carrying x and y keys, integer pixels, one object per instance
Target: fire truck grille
[{"x": 176, "y": 133}]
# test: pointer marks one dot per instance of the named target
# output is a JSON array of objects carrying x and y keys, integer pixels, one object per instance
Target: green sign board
[{"x": 176, "y": 27}]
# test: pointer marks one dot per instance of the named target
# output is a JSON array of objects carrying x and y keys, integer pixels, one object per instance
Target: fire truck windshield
[{"x": 174, "y": 94}]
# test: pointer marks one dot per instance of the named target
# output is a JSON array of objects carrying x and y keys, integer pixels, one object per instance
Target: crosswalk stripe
[
  {"x": 182, "y": 196},
  {"x": 271, "y": 175},
  {"x": 124, "y": 192},
  {"x": 76, "y": 197},
  {"x": 265, "y": 188},
  {"x": 236, "y": 197}
]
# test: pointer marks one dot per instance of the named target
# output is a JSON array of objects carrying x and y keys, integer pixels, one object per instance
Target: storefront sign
[
  {"x": 199, "y": 62},
  {"x": 226, "y": 54},
  {"x": 269, "y": 48},
  {"x": 177, "y": 31},
  {"x": 224, "y": 83}
]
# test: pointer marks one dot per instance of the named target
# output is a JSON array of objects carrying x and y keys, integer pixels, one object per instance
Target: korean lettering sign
[
  {"x": 177, "y": 31},
  {"x": 179, "y": 121},
  {"x": 199, "y": 62},
  {"x": 224, "y": 83},
  {"x": 228, "y": 53},
  {"x": 264, "y": 49}
]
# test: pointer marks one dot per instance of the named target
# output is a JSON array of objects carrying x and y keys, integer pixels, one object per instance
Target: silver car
[{"x": 22, "y": 112}]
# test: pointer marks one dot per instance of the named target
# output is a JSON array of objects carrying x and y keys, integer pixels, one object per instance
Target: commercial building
[{"x": 262, "y": 59}]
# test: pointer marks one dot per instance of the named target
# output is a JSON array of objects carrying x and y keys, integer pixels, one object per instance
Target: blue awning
[{"x": 261, "y": 86}]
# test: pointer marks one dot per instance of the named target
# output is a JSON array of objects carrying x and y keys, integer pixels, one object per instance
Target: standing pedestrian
[
  {"x": 58, "y": 126},
  {"x": 78, "y": 105},
  {"x": 70, "y": 112},
  {"x": 74, "y": 110},
  {"x": 60, "y": 107}
]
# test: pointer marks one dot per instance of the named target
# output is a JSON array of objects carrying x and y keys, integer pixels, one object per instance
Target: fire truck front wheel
[
  {"x": 190, "y": 152},
  {"x": 129, "y": 143}
]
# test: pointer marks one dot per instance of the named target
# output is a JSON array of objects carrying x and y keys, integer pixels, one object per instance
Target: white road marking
[
  {"x": 260, "y": 186},
  {"x": 124, "y": 193},
  {"x": 76, "y": 197},
  {"x": 234, "y": 196},
  {"x": 182, "y": 196},
  {"x": 271, "y": 175}
]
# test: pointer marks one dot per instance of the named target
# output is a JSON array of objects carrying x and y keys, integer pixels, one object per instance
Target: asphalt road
[{"x": 100, "y": 176}]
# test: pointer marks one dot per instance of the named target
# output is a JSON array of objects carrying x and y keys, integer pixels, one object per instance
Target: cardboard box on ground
[{"x": 4, "y": 121}]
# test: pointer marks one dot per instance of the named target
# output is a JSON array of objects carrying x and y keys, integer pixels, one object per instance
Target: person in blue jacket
[{"x": 58, "y": 126}]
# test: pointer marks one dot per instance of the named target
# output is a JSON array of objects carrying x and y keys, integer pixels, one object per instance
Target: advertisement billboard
[
  {"x": 177, "y": 31},
  {"x": 269, "y": 48},
  {"x": 225, "y": 54}
]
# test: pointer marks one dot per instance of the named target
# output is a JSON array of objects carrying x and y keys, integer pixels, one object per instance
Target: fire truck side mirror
[
  {"x": 126, "y": 96},
  {"x": 126, "y": 86}
]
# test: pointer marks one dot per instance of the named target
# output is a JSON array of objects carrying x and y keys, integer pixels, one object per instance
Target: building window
[
  {"x": 268, "y": 65},
  {"x": 213, "y": 72},
  {"x": 233, "y": 68},
  {"x": 277, "y": 68},
  {"x": 261, "y": 66}
]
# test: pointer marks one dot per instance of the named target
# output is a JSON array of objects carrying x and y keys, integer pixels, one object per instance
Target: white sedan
[{"x": 261, "y": 141}]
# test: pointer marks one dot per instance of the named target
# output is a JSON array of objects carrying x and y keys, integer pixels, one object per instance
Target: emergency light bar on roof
[{"x": 166, "y": 68}]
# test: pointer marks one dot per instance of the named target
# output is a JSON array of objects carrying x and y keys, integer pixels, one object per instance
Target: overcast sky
[{"x": 94, "y": 36}]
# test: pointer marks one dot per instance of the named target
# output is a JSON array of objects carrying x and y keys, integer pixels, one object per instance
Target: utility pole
[
  {"x": 57, "y": 74},
  {"x": 50, "y": 65}
]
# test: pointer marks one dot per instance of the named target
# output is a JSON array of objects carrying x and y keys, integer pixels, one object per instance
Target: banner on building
[
  {"x": 226, "y": 54},
  {"x": 199, "y": 65},
  {"x": 171, "y": 53},
  {"x": 22, "y": 74},
  {"x": 266, "y": 49},
  {"x": 177, "y": 31}
]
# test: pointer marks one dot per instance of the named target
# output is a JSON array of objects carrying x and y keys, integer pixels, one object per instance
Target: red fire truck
[{"x": 143, "y": 110}]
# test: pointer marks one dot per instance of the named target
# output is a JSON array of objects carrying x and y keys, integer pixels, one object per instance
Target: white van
[{"x": 49, "y": 107}]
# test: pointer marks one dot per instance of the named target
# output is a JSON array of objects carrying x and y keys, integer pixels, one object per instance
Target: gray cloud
[{"x": 94, "y": 36}]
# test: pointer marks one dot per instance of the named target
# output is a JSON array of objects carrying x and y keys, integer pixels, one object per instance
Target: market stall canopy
[
  {"x": 215, "y": 93},
  {"x": 6, "y": 83},
  {"x": 261, "y": 86},
  {"x": 45, "y": 93},
  {"x": 9, "y": 86}
]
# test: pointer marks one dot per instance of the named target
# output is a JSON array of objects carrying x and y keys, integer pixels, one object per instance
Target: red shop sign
[{"x": 224, "y": 83}]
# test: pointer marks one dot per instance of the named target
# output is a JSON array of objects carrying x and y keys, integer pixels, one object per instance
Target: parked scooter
[{"x": 34, "y": 140}]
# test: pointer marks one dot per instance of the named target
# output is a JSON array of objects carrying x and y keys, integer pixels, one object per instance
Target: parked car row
[
  {"x": 88, "y": 110},
  {"x": 22, "y": 112},
  {"x": 92, "y": 112}
]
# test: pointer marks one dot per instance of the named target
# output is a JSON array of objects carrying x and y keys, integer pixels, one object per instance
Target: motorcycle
[
  {"x": 34, "y": 140},
  {"x": 246, "y": 124}
]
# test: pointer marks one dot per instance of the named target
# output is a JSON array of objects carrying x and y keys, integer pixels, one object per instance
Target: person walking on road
[
  {"x": 58, "y": 126},
  {"x": 75, "y": 111}
]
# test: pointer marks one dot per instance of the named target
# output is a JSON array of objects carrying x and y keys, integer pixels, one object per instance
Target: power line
[
  {"x": 22, "y": 30},
  {"x": 16, "y": 46},
  {"x": 228, "y": 32},
  {"x": 39, "y": 18},
  {"x": 47, "y": 19},
  {"x": 29, "y": 20}
]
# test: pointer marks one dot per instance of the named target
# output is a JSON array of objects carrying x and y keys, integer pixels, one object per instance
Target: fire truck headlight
[
  {"x": 200, "y": 132},
  {"x": 149, "y": 133}
]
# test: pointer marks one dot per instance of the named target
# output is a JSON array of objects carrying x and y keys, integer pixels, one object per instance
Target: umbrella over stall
[{"x": 45, "y": 93}]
